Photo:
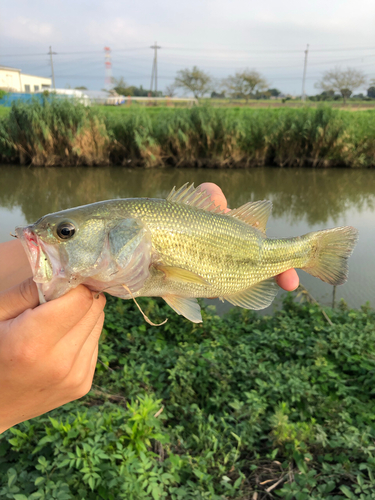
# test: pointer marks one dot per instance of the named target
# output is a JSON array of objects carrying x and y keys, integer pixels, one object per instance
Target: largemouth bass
[{"x": 180, "y": 248}]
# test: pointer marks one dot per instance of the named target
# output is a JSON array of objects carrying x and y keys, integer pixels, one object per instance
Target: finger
[
  {"x": 16, "y": 300},
  {"x": 86, "y": 333},
  {"x": 217, "y": 195},
  {"x": 288, "y": 280},
  {"x": 84, "y": 364},
  {"x": 54, "y": 319}
]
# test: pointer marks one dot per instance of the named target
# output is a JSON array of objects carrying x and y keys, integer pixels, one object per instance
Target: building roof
[
  {"x": 37, "y": 76},
  {"x": 11, "y": 69}
]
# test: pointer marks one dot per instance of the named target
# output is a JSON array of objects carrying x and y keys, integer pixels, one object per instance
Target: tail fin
[{"x": 332, "y": 248}]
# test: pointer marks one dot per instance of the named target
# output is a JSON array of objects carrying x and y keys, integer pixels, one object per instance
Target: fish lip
[
  {"x": 30, "y": 244},
  {"x": 34, "y": 250}
]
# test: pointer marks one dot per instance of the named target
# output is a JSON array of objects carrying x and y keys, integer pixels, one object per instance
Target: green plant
[{"x": 224, "y": 409}]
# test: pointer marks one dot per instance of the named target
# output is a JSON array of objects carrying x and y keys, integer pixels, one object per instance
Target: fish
[{"x": 180, "y": 248}]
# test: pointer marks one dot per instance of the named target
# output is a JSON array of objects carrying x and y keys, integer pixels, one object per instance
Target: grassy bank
[
  {"x": 280, "y": 407},
  {"x": 61, "y": 133}
]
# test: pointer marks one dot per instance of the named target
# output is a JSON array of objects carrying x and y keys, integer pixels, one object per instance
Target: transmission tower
[
  {"x": 108, "y": 68},
  {"x": 154, "y": 73}
]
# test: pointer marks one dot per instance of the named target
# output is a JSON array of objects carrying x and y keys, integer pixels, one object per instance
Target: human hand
[
  {"x": 287, "y": 280},
  {"x": 14, "y": 264},
  {"x": 48, "y": 353}
]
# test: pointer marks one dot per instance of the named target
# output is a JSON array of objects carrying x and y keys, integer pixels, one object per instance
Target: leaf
[
  {"x": 237, "y": 437},
  {"x": 64, "y": 463},
  {"x": 39, "y": 480},
  {"x": 238, "y": 482},
  {"x": 347, "y": 492},
  {"x": 92, "y": 483},
  {"x": 12, "y": 477}
]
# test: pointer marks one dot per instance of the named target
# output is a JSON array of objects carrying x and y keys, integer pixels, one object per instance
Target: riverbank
[
  {"x": 63, "y": 133},
  {"x": 233, "y": 408}
]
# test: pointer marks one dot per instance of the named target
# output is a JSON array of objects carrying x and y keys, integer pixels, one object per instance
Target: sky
[{"x": 219, "y": 36}]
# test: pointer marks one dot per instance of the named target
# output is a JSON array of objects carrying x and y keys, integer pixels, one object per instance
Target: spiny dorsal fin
[
  {"x": 189, "y": 195},
  {"x": 254, "y": 213},
  {"x": 187, "y": 307},
  {"x": 257, "y": 297}
]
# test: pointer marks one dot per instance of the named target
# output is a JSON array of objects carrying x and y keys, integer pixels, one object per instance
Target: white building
[
  {"x": 103, "y": 97},
  {"x": 75, "y": 94},
  {"x": 13, "y": 80}
]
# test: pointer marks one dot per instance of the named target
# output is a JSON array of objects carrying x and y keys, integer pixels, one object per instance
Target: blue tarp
[{"x": 16, "y": 96}]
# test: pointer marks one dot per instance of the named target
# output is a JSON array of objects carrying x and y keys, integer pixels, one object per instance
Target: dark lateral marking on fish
[{"x": 246, "y": 261}]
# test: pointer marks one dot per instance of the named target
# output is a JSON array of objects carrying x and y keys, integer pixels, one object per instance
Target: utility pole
[
  {"x": 154, "y": 73},
  {"x": 303, "y": 97},
  {"x": 53, "y": 73}
]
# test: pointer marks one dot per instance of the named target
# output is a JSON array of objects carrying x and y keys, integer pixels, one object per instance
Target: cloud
[
  {"x": 30, "y": 30},
  {"x": 118, "y": 31}
]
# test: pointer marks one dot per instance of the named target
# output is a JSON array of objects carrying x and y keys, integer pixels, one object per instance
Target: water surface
[{"x": 303, "y": 200}]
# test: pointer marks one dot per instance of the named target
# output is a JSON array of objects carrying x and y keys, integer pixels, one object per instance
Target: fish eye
[{"x": 65, "y": 230}]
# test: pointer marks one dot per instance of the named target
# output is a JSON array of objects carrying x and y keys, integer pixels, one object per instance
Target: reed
[
  {"x": 53, "y": 132},
  {"x": 61, "y": 132}
]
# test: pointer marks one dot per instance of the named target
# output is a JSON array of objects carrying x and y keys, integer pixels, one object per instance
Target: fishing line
[{"x": 143, "y": 314}]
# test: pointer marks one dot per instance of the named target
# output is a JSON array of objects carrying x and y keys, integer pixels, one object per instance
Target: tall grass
[
  {"x": 57, "y": 132},
  {"x": 53, "y": 132}
]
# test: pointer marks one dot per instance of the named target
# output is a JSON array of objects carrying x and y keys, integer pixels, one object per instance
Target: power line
[
  {"x": 72, "y": 53},
  {"x": 197, "y": 49}
]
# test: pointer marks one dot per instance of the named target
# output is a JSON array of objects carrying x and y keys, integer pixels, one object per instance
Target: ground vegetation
[{"x": 239, "y": 407}]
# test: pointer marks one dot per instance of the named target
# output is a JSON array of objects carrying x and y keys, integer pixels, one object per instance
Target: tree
[
  {"x": 120, "y": 86},
  {"x": 217, "y": 95},
  {"x": 244, "y": 83},
  {"x": 274, "y": 92},
  {"x": 343, "y": 81},
  {"x": 195, "y": 80},
  {"x": 371, "y": 89},
  {"x": 82, "y": 87},
  {"x": 170, "y": 90}
]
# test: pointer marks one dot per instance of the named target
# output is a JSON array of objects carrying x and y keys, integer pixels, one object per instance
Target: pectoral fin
[
  {"x": 187, "y": 307},
  {"x": 182, "y": 275},
  {"x": 257, "y": 297},
  {"x": 130, "y": 247}
]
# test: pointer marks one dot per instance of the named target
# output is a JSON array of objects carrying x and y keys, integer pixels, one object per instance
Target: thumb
[{"x": 16, "y": 300}]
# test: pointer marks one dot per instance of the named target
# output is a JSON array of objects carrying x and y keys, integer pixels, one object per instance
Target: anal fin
[
  {"x": 257, "y": 297},
  {"x": 183, "y": 306}
]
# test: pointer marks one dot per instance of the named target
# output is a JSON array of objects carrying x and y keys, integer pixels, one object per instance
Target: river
[{"x": 303, "y": 200}]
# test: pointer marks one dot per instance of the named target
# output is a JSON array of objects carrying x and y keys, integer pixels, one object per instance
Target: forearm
[{"x": 14, "y": 265}]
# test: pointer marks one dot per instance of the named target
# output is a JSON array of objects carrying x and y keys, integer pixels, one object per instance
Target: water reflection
[
  {"x": 312, "y": 195},
  {"x": 303, "y": 200}
]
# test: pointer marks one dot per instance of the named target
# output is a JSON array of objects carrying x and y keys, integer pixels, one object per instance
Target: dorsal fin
[
  {"x": 194, "y": 197},
  {"x": 254, "y": 213}
]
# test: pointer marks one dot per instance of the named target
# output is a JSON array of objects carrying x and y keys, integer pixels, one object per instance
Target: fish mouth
[{"x": 37, "y": 256}]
